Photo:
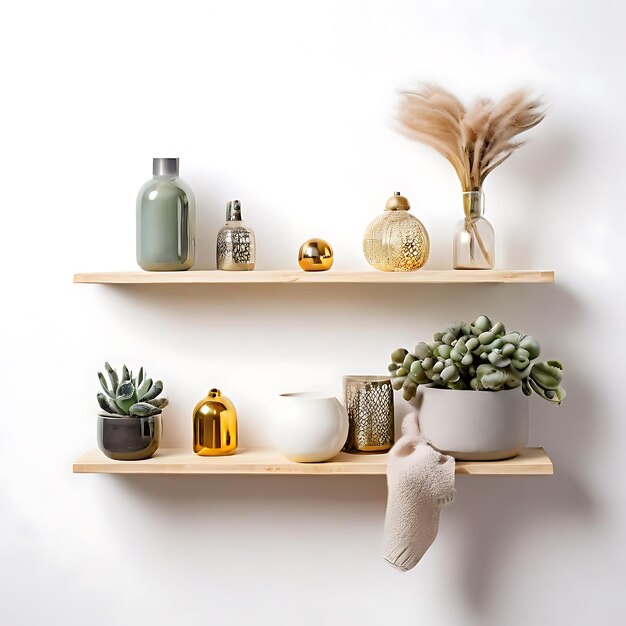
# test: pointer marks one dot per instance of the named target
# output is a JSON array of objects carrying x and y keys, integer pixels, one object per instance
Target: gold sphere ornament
[
  {"x": 396, "y": 241},
  {"x": 316, "y": 255}
]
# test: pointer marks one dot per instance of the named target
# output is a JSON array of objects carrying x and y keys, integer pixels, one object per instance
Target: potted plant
[
  {"x": 453, "y": 381},
  {"x": 130, "y": 426}
]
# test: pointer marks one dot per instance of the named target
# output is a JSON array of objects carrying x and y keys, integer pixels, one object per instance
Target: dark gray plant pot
[{"x": 129, "y": 438}]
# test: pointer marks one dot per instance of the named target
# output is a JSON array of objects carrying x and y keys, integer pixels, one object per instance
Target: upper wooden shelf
[
  {"x": 183, "y": 461},
  {"x": 211, "y": 277}
]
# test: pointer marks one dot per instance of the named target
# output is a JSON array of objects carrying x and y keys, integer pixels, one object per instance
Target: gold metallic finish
[
  {"x": 316, "y": 255},
  {"x": 369, "y": 403},
  {"x": 214, "y": 425},
  {"x": 397, "y": 203},
  {"x": 396, "y": 241}
]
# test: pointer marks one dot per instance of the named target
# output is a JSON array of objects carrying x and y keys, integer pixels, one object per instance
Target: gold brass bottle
[{"x": 214, "y": 425}]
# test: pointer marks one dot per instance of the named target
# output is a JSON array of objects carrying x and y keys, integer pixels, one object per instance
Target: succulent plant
[
  {"x": 481, "y": 356},
  {"x": 127, "y": 395}
]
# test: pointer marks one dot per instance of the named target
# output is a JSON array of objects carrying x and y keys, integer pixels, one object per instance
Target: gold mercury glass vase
[
  {"x": 369, "y": 403},
  {"x": 214, "y": 425},
  {"x": 474, "y": 240},
  {"x": 396, "y": 241}
]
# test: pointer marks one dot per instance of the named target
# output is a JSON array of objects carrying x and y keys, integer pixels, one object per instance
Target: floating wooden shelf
[
  {"x": 182, "y": 461},
  {"x": 211, "y": 277}
]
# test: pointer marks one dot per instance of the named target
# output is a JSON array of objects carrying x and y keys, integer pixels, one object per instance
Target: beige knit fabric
[{"x": 420, "y": 481}]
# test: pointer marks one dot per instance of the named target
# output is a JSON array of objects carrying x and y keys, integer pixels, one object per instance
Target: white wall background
[{"x": 288, "y": 106}]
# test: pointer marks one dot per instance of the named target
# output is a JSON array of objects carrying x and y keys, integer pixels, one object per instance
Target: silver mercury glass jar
[{"x": 235, "y": 242}]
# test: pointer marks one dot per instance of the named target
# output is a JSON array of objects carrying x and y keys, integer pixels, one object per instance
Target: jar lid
[
  {"x": 233, "y": 211},
  {"x": 397, "y": 203}
]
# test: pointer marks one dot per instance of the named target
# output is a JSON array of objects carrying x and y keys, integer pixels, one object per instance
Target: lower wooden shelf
[{"x": 260, "y": 461}]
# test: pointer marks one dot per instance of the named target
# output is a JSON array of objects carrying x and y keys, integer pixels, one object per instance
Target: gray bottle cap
[
  {"x": 233, "y": 211},
  {"x": 165, "y": 167}
]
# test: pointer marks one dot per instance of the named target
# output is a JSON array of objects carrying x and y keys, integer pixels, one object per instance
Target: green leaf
[
  {"x": 459, "y": 385},
  {"x": 448, "y": 338},
  {"x": 140, "y": 377},
  {"x": 443, "y": 351},
  {"x": 546, "y": 375},
  {"x": 422, "y": 351},
  {"x": 518, "y": 370},
  {"x": 397, "y": 382},
  {"x": 159, "y": 403},
  {"x": 499, "y": 360},
  {"x": 513, "y": 338},
  {"x": 113, "y": 376},
  {"x": 491, "y": 377},
  {"x": 106, "y": 404},
  {"x": 468, "y": 359},
  {"x": 143, "y": 409},
  {"x": 558, "y": 397},
  {"x": 498, "y": 328},
  {"x": 103, "y": 384},
  {"x": 450, "y": 374},
  {"x": 486, "y": 337},
  {"x": 508, "y": 349},
  {"x": 417, "y": 371},
  {"x": 531, "y": 345},
  {"x": 397, "y": 356},
  {"x": 144, "y": 388},
  {"x": 125, "y": 396},
  {"x": 155, "y": 390},
  {"x": 483, "y": 323},
  {"x": 409, "y": 389},
  {"x": 408, "y": 360},
  {"x": 125, "y": 390},
  {"x": 472, "y": 343}
]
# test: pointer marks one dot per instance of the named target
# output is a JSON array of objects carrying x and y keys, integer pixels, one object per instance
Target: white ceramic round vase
[
  {"x": 474, "y": 425},
  {"x": 309, "y": 427}
]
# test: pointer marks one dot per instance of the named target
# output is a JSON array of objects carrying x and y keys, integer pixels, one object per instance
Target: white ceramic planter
[
  {"x": 309, "y": 427},
  {"x": 474, "y": 425}
]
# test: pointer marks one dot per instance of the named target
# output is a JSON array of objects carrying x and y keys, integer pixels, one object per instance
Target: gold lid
[
  {"x": 397, "y": 203},
  {"x": 214, "y": 403}
]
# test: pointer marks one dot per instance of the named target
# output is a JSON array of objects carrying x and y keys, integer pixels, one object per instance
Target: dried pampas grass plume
[{"x": 475, "y": 140}]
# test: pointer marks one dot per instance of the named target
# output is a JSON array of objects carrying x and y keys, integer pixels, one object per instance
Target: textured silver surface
[{"x": 235, "y": 248}]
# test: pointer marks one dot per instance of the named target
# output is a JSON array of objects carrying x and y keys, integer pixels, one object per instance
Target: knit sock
[{"x": 420, "y": 481}]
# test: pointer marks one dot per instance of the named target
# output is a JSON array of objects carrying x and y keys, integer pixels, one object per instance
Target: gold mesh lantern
[
  {"x": 369, "y": 403},
  {"x": 396, "y": 241}
]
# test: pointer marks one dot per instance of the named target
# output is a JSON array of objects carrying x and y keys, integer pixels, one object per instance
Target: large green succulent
[
  {"x": 479, "y": 356},
  {"x": 136, "y": 397}
]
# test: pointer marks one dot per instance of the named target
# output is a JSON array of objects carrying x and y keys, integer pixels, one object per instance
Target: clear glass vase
[{"x": 474, "y": 240}]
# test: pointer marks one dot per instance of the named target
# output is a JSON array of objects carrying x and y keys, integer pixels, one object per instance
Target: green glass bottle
[{"x": 166, "y": 220}]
